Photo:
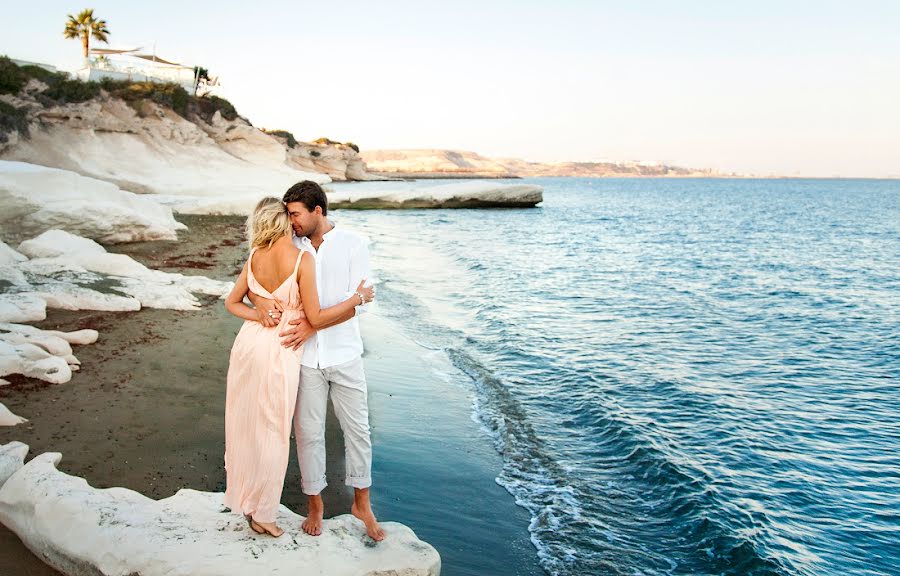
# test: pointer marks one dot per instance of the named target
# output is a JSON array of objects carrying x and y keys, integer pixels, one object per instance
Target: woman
[{"x": 263, "y": 375}]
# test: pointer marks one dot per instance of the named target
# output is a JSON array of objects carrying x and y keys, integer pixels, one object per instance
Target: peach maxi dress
[{"x": 263, "y": 377}]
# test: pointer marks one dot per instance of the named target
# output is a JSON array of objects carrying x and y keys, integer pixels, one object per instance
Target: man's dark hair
[{"x": 309, "y": 193}]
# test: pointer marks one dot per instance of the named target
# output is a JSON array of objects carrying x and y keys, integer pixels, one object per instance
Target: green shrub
[
  {"x": 169, "y": 95},
  {"x": 207, "y": 106},
  {"x": 12, "y": 79},
  {"x": 330, "y": 142},
  {"x": 73, "y": 91},
  {"x": 12, "y": 119},
  {"x": 291, "y": 141},
  {"x": 111, "y": 85},
  {"x": 47, "y": 77}
]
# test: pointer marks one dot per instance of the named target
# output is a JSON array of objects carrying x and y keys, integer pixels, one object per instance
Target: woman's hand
[
  {"x": 268, "y": 312},
  {"x": 368, "y": 294}
]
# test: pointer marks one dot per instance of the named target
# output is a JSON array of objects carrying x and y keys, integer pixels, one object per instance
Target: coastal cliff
[
  {"x": 193, "y": 154},
  {"x": 149, "y": 138}
]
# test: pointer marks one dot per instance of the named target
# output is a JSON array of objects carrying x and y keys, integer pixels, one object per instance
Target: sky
[{"x": 790, "y": 87}]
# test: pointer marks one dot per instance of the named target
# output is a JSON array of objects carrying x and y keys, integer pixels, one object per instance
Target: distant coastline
[{"x": 435, "y": 164}]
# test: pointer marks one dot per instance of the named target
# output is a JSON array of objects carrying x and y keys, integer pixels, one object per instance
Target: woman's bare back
[{"x": 273, "y": 266}]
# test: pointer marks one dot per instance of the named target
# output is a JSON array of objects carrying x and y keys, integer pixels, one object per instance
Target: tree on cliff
[{"x": 86, "y": 27}]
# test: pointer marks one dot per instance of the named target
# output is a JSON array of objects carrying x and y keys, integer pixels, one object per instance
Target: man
[{"x": 331, "y": 360}]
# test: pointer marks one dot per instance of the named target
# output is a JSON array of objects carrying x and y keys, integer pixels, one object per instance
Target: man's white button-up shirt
[{"x": 341, "y": 262}]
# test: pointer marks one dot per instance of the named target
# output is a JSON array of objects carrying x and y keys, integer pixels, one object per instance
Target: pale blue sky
[{"x": 791, "y": 87}]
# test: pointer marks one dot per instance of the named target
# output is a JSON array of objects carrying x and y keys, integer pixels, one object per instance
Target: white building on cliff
[{"x": 136, "y": 65}]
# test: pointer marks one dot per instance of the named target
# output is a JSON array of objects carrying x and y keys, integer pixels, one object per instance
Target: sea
[{"x": 672, "y": 376}]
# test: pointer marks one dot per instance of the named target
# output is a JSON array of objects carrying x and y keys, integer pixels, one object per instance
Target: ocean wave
[{"x": 576, "y": 533}]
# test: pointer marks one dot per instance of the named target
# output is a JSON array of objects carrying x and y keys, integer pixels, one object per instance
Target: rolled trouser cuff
[
  {"x": 358, "y": 481},
  {"x": 313, "y": 488}
]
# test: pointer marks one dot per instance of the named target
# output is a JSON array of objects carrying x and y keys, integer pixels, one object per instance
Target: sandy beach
[{"x": 146, "y": 412}]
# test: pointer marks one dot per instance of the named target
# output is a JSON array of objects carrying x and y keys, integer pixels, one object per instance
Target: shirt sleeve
[{"x": 359, "y": 269}]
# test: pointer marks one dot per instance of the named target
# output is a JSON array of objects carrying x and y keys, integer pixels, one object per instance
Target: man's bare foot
[
  {"x": 362, "y": 509},
  {"x": 313, "y": 523}
]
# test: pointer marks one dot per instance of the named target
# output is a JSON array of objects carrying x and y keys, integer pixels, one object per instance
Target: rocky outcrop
[
  {"x": 341, "y": 162},
  {"x": 36, "y": 198},
  {"x": 78, "y": 530},
  {"x": 474, "y": 194}
]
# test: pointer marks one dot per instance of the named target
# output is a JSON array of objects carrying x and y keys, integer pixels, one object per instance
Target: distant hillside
[
  {"x": 434, "y": 164},
  {"x": 459, "y": 164}
]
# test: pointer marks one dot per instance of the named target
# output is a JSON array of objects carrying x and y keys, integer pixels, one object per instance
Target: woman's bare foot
[
  {"x": 362, "y": 509},
  {"x": 269, "y": 528},
  {"x": 313, "y": 523}
]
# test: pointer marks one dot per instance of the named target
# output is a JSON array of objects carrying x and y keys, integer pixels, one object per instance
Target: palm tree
[{"x": 85, "y": 26}]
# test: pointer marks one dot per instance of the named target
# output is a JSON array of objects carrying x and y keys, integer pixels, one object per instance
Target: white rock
[
  {"x": 53, "y": 243},
  {"x": 165, "y": 296},
  {"x": 40, "y": 353},
  {"x": 62, "y": 269},
  {"x": 398, "y": 194},
  {"x": 85, "y": 336},
  {"x": 12, "y": 457},
  {"x": 57, "y": 251},
  {"x": 36, "y": 198},
  {"x": 203, "y": 285},
  {"x": 82, "y": 530},
  {"x": 52, "y": 344},
  {"x": 468, "y": 194},
  {"x": 7, "y": 418},
  {"x": 11, "y": 274},
  {"x": 22, "y": 308},
  {"x": 71, "y": 297},
  {"x": 76, "y": 337},
  {"x": 33, "y": 362},
  {"x": 10, "y": 256}
]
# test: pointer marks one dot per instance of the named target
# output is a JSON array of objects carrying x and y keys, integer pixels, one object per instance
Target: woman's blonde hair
[{"x": 268, "y": 223}]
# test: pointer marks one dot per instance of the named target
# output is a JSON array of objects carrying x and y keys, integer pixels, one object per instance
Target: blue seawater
[{"x": 681, "y": 376}]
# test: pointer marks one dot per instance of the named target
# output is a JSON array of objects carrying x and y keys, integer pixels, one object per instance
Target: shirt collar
[{"x": 306, "y": 240}]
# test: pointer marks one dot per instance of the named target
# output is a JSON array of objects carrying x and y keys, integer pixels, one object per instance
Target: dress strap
[
  {"x": 297, "y": 263},
  {"x": 250, "y": 261}
]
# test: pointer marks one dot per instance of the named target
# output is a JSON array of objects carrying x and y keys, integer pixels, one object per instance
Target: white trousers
[{"x": 347, "y": 385}]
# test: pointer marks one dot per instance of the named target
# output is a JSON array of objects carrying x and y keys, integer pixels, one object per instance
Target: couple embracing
[{"x": 300, "y": 341}]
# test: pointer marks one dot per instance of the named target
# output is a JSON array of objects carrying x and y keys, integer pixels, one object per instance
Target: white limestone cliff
[{"x": 36, "y": 198}]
